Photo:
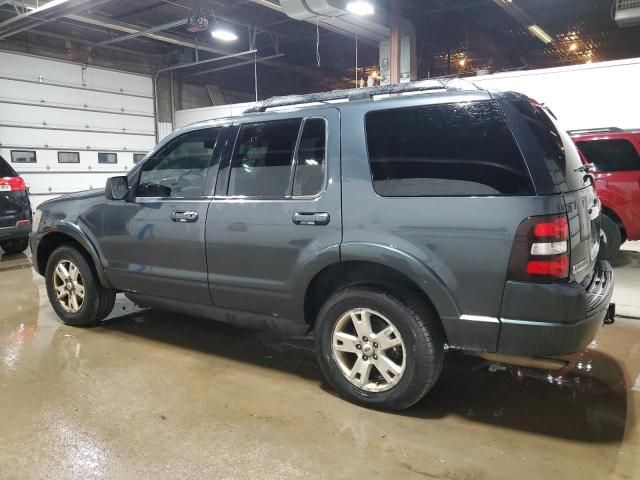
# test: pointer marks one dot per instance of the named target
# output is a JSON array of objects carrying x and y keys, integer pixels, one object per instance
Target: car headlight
[{"x": 35, "y": 223}]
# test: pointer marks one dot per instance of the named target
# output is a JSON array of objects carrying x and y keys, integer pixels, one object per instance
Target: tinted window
[
  {"x": 5, "y": 169},
  {"x": 68, "y": 157},
  {"x": 439, "y": 150},
  {"x": 107, "y": 158},
  {"x": 611, "y": 155},
  {"x": 179, "y": 169},
  {"x": 560, "y": 154},
  {"x": 311, "y": 160},
  {"x": 23, "y": 156},
  {"x": 262, "y": 159},
  {"x": 137, "y": 157}
]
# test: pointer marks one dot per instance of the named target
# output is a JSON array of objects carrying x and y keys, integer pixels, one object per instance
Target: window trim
[
  {"x": 35, "y": 156},
  {"x": 326, "y": 160},
  {"x": 294, "y": 161},
  {"x": 108, "y": 153},
  {"x": 436, "y": 104},
  {"x": 76, "y": 153}
]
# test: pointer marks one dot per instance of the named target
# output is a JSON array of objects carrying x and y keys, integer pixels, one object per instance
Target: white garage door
[{"x": 67, "y": 127}]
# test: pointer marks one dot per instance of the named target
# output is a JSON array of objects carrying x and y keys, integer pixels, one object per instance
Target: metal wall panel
[{"x": 49, "y": 106}]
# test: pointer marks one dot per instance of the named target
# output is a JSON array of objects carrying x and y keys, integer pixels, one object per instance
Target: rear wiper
[{"x": 586, "y": 168}]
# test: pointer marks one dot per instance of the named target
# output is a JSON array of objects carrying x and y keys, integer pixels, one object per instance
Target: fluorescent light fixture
[
  {"x": 360, "y": 8},
  {"x": 223, "y": 34},
  {"x": 540, "y": 33}
]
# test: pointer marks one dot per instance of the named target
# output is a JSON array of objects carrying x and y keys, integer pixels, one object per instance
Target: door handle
[
  {"x": 314, "y": 218},
  {"x": 184, "y": 217}
]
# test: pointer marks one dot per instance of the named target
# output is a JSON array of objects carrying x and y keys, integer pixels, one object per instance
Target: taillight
[
  {"x": 12, "y": 184},
  {"x": 540, "y": 251}
]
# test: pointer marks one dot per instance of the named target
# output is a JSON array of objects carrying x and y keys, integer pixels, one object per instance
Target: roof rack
[
  {"x": 352, "y": 94},
  {"x": 595, "y": 130}
]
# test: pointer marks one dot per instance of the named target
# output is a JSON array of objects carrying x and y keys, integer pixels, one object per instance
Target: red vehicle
[{"x": 615, "y": 154}]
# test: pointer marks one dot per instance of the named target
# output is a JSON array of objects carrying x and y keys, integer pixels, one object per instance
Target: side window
[
  {"x": 68, "y": 157},
  {"x": 444, "y": 150},
  {"x": 180, "y": 168},
  {"x": 611, "y": 155},
  {"x": 104, "y": 157},
  {"x": 311, "y": 158},
  {"x": 23, "y": 156},
  {"x": 138, "y": 157},
  {"x": 262, "y": 158}
]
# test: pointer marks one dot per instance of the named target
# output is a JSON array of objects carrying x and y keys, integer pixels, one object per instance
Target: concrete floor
[{"x": 153, "y": 395}]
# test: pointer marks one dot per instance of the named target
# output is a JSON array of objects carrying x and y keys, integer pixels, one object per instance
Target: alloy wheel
[{"x": 369, "y": 350}]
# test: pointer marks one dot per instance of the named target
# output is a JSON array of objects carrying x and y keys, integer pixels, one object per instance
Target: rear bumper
[
  {"x": 9, "y": 233},
  {"x": 554, "y": 319}
]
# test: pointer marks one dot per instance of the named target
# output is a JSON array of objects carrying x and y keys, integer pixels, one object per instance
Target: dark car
[
  {"x": 15, "y": 210},
  {"x": 391, "y": 228},
  {"x": 615, "y": 155}
]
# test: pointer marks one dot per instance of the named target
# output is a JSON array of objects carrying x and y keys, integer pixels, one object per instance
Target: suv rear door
[
  {"x": 560, "y": 171},
  {"x": 276, "y": 215},
  {"x": 14, "y": 204}
]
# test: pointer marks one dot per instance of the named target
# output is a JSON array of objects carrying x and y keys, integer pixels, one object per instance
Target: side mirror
[{"x": 117, "y": 188}]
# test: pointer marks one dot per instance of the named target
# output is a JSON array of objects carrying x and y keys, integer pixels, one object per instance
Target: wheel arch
[
  {"x": 65, "y": 234},
  {"x": 350, "y": 273}
]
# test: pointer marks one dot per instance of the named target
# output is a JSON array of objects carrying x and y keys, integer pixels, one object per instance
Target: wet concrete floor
[{"x": 156, "y": 395}]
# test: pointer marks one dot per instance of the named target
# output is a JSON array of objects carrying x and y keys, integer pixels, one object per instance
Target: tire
[
  {"x": 613, "y": 238},
  {"x": 17, "y": 245},
  {"x": 97, "y": 302},
  {"x": 419, "y": 332}
]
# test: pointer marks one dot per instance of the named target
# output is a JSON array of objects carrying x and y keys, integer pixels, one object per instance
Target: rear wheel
[
  {"x": 377, "y": 350},
  {"x": 74, "y": 290},
  {"x": 612, "y": 238},
  {"x": 17, "y": 245}
]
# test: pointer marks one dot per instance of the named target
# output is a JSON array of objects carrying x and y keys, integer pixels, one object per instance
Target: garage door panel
[
  {"x": 14, "y": 90},
  {"x": 40, "y": 69},
  {"x": 41, "y": 116},
  {"x": 35, "y": 138}
]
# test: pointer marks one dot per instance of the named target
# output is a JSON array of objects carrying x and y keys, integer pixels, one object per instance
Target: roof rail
[
  {"x": 356, "y": 93},
  {"x": 595, "y": 130}
]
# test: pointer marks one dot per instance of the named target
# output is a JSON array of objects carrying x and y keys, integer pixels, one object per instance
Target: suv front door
[
  {"x": 276, "y": 216},
  {"x": 154, "y": 244}
]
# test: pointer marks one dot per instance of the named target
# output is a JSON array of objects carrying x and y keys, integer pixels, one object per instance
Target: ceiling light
[
  {"x": 223, "y": 34},
  {"x": 573, "y": 47},
  {"x": 361, "y": 8},
  {"x": 540, "y": 33}
]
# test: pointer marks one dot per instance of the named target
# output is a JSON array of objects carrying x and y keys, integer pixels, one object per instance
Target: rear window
[
  {"x": 610, "y": 155},
  {"x": 5, "y": 169},
  {"x": 560, "y": 154},
  {"x": 456, "y": 149}
]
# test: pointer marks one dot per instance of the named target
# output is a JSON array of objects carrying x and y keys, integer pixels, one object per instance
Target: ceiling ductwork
[{"x": 333, "y": 15}]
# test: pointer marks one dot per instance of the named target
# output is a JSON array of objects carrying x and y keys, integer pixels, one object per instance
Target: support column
[{"x": 394, "y": 24}]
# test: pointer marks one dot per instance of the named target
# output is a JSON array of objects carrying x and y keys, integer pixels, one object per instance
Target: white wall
[
  {"x": 49, "y": 106},
  {"x": 605, "y": 94},
  {"x": 185, "y": 117}
]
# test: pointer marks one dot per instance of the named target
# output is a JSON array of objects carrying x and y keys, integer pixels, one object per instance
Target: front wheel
[
  {"x": 74, "y": 291},
  {"x": 377, "y": 350},
  {"x": 17, "y": 245}
]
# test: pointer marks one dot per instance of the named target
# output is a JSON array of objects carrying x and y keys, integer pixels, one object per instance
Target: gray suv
[{"x": 394, "y": 228}]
